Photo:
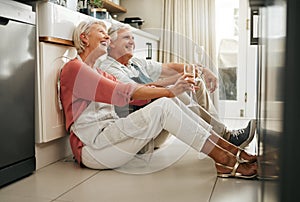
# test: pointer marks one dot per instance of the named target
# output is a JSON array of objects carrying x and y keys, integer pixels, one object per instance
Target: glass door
[{"x": 236, "y": 58}]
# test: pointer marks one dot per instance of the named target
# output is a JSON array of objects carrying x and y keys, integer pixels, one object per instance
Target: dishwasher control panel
[{"x": 17, "y": 11}]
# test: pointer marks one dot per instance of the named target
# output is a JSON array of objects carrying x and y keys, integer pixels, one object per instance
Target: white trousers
[
  {"x": 118, "y": 143},
  {"x": 207, "y": 113}
]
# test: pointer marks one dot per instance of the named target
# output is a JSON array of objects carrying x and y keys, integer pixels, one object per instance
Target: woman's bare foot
[
  {"x": 250, "y": 158},
  {"x": 239, "y": 153}
]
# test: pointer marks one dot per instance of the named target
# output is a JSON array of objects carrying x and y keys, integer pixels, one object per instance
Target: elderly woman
[{"x": 100, "y": 139}]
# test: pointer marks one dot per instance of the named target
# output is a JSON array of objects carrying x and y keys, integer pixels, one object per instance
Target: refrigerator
[{"x": 275, "y": 30}]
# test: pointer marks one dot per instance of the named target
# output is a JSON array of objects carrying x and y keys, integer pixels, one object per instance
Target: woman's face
[{"x": 97, "y": 38}]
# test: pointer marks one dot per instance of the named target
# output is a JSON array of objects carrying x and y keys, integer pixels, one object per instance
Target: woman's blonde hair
[{"x": 84, "y": 28}]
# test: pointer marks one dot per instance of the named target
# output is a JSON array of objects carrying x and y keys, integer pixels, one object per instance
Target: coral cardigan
[{"x": 79, "y": 85}]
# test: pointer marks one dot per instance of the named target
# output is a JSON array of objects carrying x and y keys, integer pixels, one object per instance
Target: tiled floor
[{"x": 181, "y": 174}]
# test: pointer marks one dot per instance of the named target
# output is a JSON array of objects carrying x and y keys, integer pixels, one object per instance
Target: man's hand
[{"x": 211, "y": 81}]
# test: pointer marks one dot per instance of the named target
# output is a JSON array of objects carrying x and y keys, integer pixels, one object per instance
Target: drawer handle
[{"x": 3, "y": 21}]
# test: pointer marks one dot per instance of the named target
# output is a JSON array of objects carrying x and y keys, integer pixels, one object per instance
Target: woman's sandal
[
  {"x": 234, "y": 172},
  {"x": 237, "y": 155}
]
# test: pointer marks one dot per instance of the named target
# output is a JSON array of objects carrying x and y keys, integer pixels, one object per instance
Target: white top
[{"x": 150, "y": 68}]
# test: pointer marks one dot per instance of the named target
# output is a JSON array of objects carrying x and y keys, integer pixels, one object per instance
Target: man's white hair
[{"x": 113, "y": 31}]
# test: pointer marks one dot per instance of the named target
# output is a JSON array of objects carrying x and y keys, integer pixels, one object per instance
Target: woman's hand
[{"x": 183, "y": 84}]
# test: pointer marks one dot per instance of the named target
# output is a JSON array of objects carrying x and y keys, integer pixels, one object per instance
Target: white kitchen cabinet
[
  {"x": 50, "y": 119},
  {"x": 146, "y": 45}
]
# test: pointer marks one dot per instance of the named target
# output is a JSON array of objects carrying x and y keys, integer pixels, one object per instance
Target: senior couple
[{"x": 103, "y": 137}]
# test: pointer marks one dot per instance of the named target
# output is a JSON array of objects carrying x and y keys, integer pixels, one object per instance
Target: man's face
[{"x": 124, "y": 44}]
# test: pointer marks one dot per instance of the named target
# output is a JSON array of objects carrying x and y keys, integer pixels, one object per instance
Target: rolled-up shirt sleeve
[
  {"x": 96, "y": 86},
  {"x": 122, "y": 93}
]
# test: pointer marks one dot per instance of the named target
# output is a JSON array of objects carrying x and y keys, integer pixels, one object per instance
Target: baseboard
[{"x": 50, "y": 152}]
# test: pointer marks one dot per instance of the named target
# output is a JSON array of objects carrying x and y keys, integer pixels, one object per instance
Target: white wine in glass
[
  {"x": 199, "y": 54},
  {"x": 191, "y": 70}
]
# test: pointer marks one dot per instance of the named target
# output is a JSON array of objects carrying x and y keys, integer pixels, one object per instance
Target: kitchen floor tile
[
  {"x": 48, "y": 183},
  {"x": 235, "y": 190}
]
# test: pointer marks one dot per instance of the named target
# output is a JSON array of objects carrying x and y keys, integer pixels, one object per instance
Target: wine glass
[
  {"x": 190, "y": 70},
  {"x": 199, "y": 53}
]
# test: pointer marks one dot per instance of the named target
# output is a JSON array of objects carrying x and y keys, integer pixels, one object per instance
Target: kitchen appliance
[
  {"x": 135, "y": 22},
  {"x": 17, "y": 89},
  {"x": 270, "y": 37}
]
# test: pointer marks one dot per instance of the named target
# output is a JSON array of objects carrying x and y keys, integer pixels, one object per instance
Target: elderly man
[{"x": 121, "y": 63}]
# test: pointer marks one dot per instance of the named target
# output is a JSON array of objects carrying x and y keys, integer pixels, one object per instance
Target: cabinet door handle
[
  {"x": 149, "y": 53},
  {"x": 254, "y": 27}
]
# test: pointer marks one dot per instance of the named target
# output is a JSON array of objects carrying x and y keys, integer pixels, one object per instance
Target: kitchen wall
[{"x": 149, "y": 11}]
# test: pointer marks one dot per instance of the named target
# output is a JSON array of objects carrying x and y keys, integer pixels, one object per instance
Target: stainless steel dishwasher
[{"x": 17, "y": 81}]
